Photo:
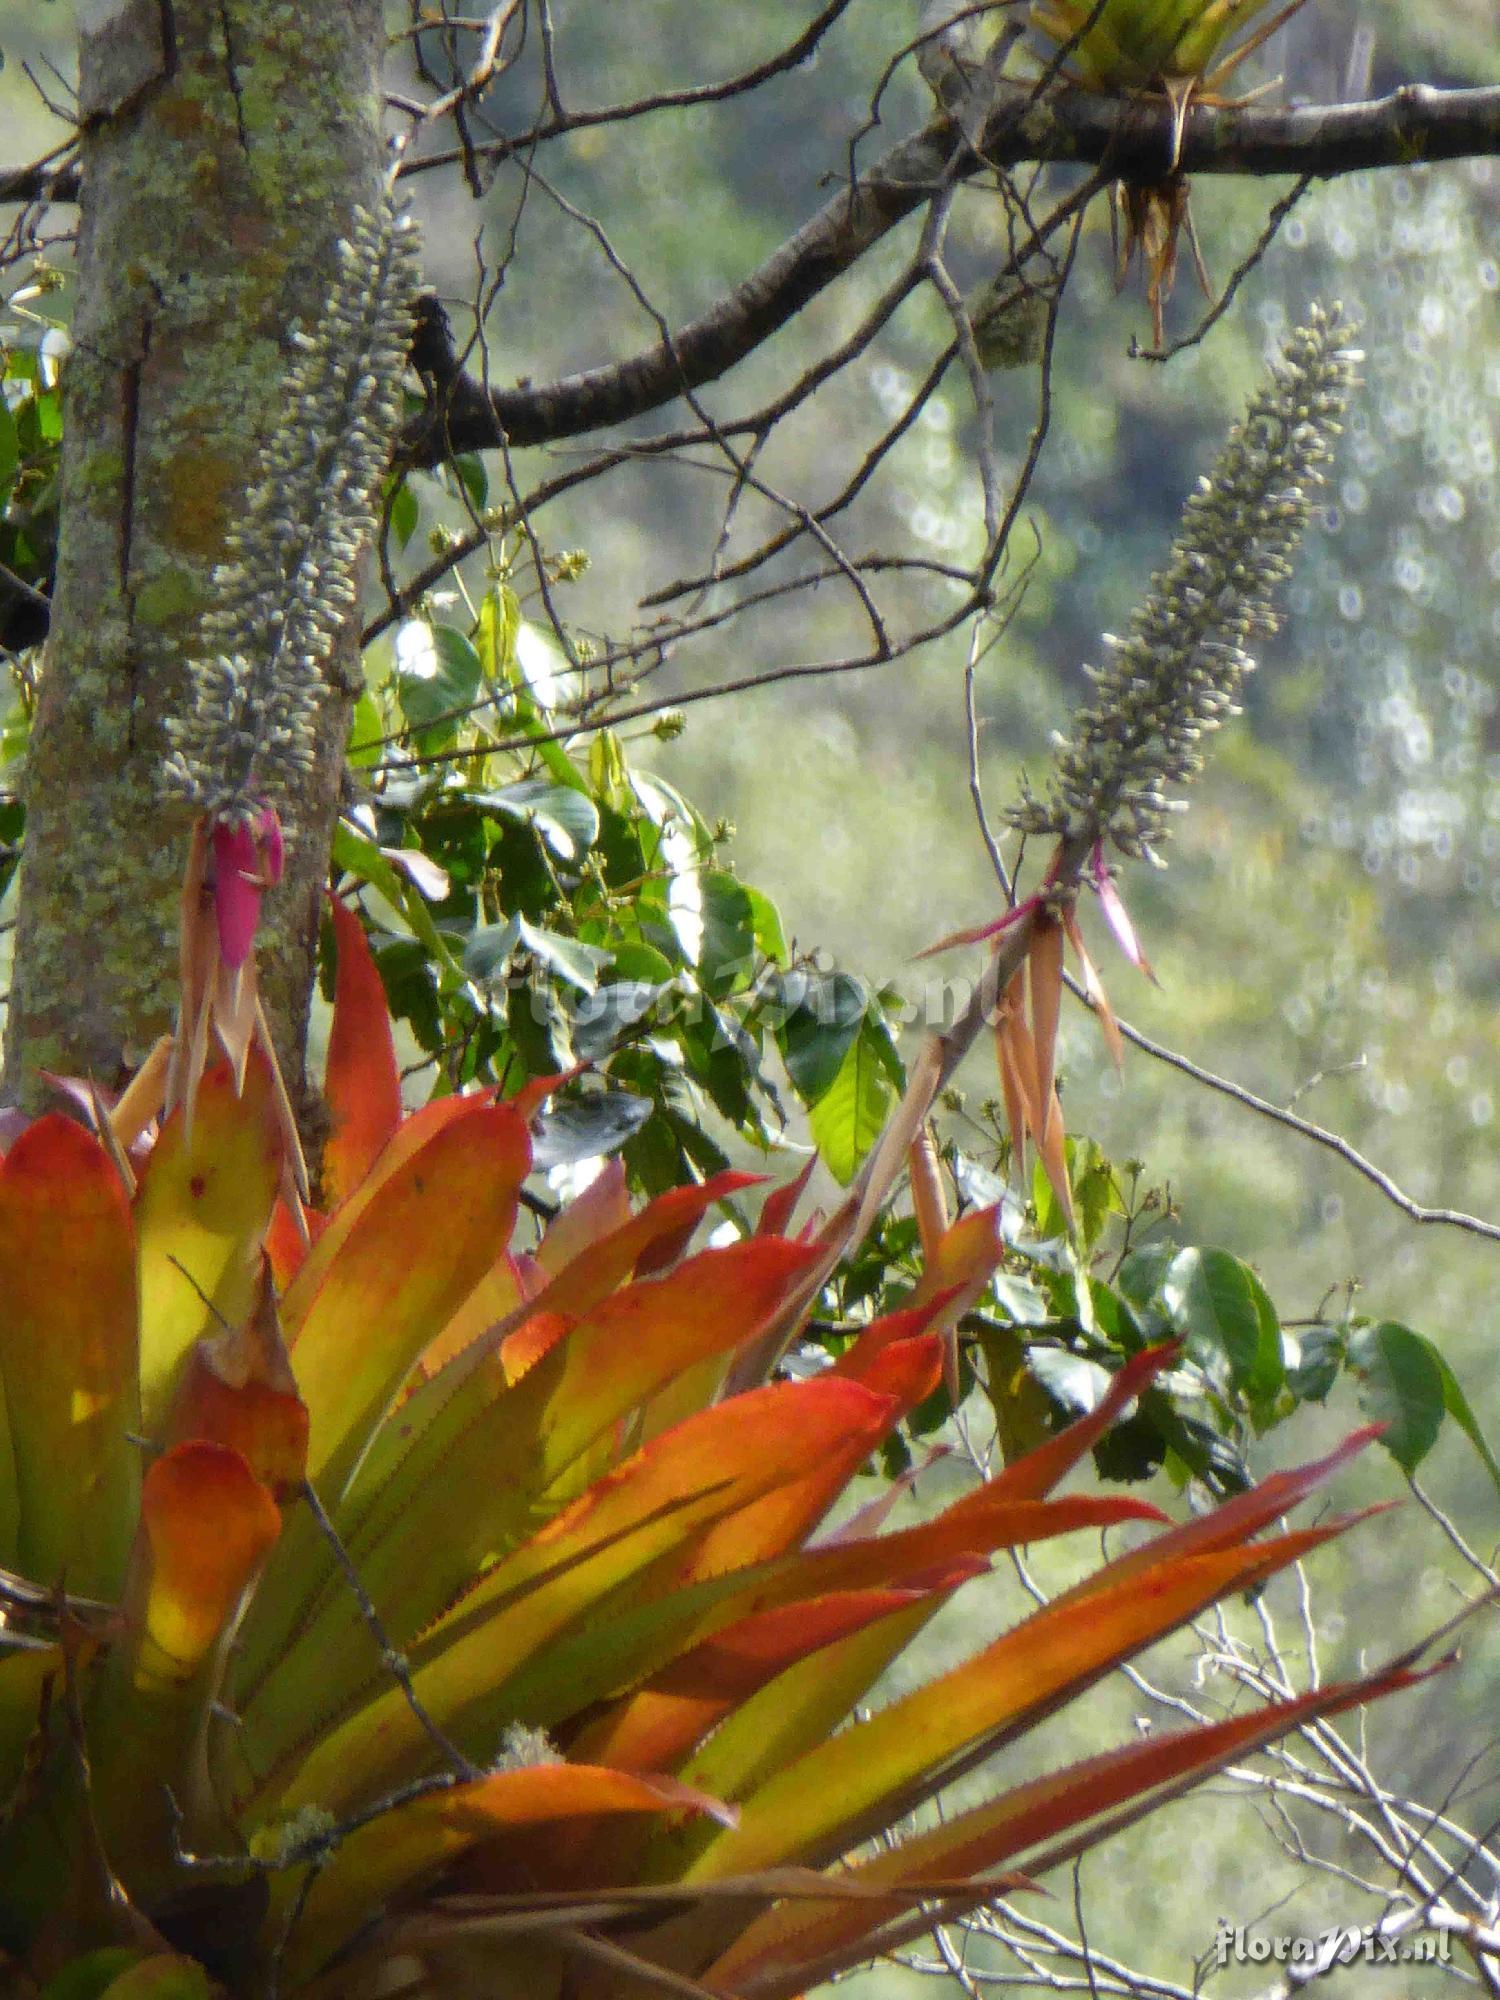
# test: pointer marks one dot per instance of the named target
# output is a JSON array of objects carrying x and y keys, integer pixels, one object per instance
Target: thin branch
[
  {"x": 395, "y": 1660},
  {"x": 1413, "y": 123},
  {"x": 1334, "y": 1142},
  {"x": 562, "y": 123}
]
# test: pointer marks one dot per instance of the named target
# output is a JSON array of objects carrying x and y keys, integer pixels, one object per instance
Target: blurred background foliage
[{"x": 1328, "y": 928}]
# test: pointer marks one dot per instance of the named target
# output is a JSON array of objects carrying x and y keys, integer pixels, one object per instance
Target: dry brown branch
[{"x": 1414, "y": 123}]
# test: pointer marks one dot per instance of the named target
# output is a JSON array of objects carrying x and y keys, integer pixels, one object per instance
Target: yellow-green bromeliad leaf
[
  {"x": 1142, "y": 44},
  {"x": 204, "y": 1205},
  {"x": 67, "y": 1362}
]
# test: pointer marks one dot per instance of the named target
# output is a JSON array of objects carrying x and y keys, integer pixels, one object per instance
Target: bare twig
[
  {"x": 1414, "y": 122},
  {"x": 1334, "y": 1142}
]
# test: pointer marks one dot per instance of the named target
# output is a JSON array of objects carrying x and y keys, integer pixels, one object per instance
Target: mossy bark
[{"x": 225, "y": 144}]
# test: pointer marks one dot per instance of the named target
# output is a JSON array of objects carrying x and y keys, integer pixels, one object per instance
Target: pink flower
[{"x": 247, "y": 861}]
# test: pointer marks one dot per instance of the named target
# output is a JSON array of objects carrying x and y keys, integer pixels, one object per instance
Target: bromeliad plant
[
  {"x": 395, "y": 1605},
  {"x": 1182, "y": 50},
  {"x": 414, "y": 1609}
]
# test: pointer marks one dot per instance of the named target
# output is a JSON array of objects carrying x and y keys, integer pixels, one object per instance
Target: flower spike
[{"x": 1178, "y": 673}]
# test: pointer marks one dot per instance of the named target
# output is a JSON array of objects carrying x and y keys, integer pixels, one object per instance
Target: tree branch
[{"x": 1414, "y": 124}]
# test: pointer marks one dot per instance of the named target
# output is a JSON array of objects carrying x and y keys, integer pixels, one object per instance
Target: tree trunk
[{"x": 225, "y": 144}]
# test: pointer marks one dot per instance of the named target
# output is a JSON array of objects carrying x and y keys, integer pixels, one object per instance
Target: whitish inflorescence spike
[
  {"x": 1176, "y": 675},
  {"x": 286, "y": 583}
]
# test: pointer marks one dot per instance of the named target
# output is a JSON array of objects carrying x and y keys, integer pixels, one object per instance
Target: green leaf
[
  {"x": 766, "y": 921},
  {"x": 49, "y": 415},
  {"x": 847, "y": 1119},
  {"x": 163, "y": 1977},
  {"x": 577, "y": 964},
  {"x": 1407, "y": 1382},
  {"x": 584, "y": 1128},
  {"x": 497, "y": 630},
  {"x": 428, "y": 698},
  {"x": 10, "y": 446},
  {"x": 87, "y": 1977},
  {"x": 1139, "y": 1283},
  {"x": 1096, "y": 1196},
  {"x": 365, "y": 731},
  {"x": 1018, "y": 1298},
  {"x": 568, "y": 820},
  {"x": 642, "y": 962},
  {"x": 1051, "y": 1223},
  {"x": 469, "y": 467},
  {"x": 1022, "y": 1405},
  {"x": 1319, "y": 1356},
  {"x": 1073, "y": 1382},
  {"x": 883, "y": 1042},
  {"x": 602, "y": 1017},
  {"x": 1456, "y": 1403},
  {"x": 1115, "y": 1319},
  {"x": 1401, "y": 1386},
  {"x": 406, "y": 512},
  {"x": 359, "y": 856},
  {"x": 825, "y": 1015},
  {"x": 491, "y": 948},
  {"x": 1232, "y": 1332},
  {"x": 727, "y": 956}
]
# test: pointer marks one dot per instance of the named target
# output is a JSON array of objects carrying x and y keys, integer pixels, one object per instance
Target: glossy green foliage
[
  {"x": 1041, "y": 1336},
  {"x": 538, "y": 907}
]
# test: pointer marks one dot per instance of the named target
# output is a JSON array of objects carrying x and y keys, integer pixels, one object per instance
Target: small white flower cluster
[
  {"x": 1175, "y": 677},
  {"x": 522, "y": 1747},
  {"x": 288, "y": 578}
]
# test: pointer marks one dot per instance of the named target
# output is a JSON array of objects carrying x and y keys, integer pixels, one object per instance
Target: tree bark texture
[{"x": 225, "y": 144}]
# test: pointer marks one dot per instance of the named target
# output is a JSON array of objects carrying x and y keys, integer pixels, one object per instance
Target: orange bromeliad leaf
[
  {"x": 532, "y": 1404},
  {"x": 788, "y": 1718},
  {"x": 891, "y": 1330},
  {"x": 68, "y": 1359},
  {"x": 411, "y": 1136},
  {"x": 835, "y": 1795},
  {"x": 761, "y": 1691},
  {"x": 209, "y": 1524},
  {"x": 412, "y": 1842},
  {"x": 665, "y": 1616},
  {"x": 203, "y": 1208},
  {"x": 428, "y": 1513},
  {"x": 780, "y": 1204},
  {"x": 1235, "y": 1520},
  {"x": 655, "y": 1728},
  {"x": 643, "y": 1244},
  {"x": 801, "y": 1943},
  {"x": 467, "y": 1668},
  {"x": 1012, "y": 1089},
  {"x": 361, "y": 1083},
  {"x": 902, "y": 1371},
  {"x": 601, "y": 1209},
  {"x": 357, "y": 1322},
  {"x": 1026, "y": 1053},
  {"x": 929, "y": 1203},
  {"x": 959, "y": 1265},
  {"x": 1093, "y": 987},
  {"x": 510, "y": 1283},
  {"x": 238, "y": 1390},
  {"x": 289, "y": 1239}
]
